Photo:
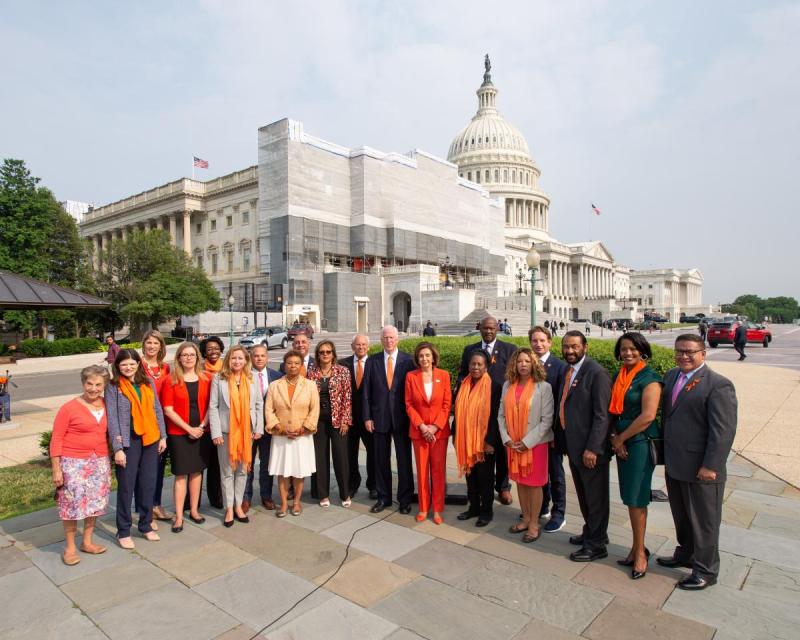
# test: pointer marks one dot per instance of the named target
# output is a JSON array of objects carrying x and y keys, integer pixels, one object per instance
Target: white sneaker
[
  {"x": 552, "y": 526},
  {"x": 546, "y": 514}
]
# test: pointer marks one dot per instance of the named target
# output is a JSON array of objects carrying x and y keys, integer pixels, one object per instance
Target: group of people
[{"x": 517, "y": 413}]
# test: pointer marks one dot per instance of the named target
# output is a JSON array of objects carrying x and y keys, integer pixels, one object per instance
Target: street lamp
[
  {"x": 231, "y": 300},
  {"x": 521, "y": 278},
  {"x": 533, "y": 261},
  {"x": 445, "y": 265}
]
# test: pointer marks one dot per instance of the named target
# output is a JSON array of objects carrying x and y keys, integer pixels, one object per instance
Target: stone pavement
[{"x": 403, "y": 580}]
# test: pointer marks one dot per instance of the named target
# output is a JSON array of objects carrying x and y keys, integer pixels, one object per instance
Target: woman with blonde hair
[
  {"x": 237, "y": 418},
  {"x": 525, "y": 419},
  {"x": 185, "y": 397}
]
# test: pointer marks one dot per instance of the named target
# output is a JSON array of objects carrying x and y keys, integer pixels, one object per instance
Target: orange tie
[
  {"x": 564, "y": 395},
  {"x": 302, "y": 371},
  {"x": 389, "y": 371},
  {"x": 359, "y": 374}
]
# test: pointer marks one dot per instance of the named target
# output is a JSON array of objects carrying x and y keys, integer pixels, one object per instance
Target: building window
[
  {"x": 199, "y": 260},
  {"x": 486, "y": 176},
  {"x": 478, "y": 176},
  {"x": 213, "y": 225},
  {"x": 505, "y": 175},
  {"x": 245, "y": 217},
  {"x": 497, "y": 175},
  {"x": 246, "y": 259},
  {"x": 469, "y": 176},
  {"x": 514, "y": 176},
  {"x": 649, "y": 286},
  {"x": 213, "y": 264},
  {"x": 229, "y": 258},
  {"x": 198, "y": 228},
  {"x": 228, "y": 222}
]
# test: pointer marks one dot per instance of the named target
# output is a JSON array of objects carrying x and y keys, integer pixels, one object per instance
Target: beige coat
[{"x": 302, "y": 413}]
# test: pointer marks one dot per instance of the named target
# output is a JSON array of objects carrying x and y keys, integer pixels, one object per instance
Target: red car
[
  {"x": 723, "y": 332},
  {"x": 301, "y": 327}
]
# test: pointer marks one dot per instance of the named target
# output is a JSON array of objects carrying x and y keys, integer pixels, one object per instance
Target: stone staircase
[{"x": 515, "y": 308}]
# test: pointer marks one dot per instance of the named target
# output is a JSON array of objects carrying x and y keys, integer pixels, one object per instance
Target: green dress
[{"x": 636, "y": 473}]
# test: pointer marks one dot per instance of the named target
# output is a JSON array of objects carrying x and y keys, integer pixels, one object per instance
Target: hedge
[
  {"x": 138, "y": 345},
  {"x": 38, "y": 347},
  {"x": 451, "y": 348}
]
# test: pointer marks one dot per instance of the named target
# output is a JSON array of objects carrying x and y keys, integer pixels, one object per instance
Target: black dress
[{"x": 190, "y": 455}]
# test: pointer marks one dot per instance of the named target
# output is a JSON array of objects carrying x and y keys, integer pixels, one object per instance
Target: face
[
  {"x": 477, "y": 367},
  {"x": 389, "y": 339},
  {"x": 260, "y": 358},
  {"x": 540, "y": 343},
  {"x": 237, "y": 361},
  {"x": 629, "y": 353},
  {"x": 425, "y": 359},
  {"x": 573, "y": 349},
  {"x": 292, "y": 366},
  {"x": 360, "y": 346},
  {"x": 151, "y": 347},
  {"x": 689, "y": 356},
  {"x": 524, "y": 365},
  {"x": 93, "y": 387},
  {"x": 325, "y": 353},
  {"x": 128, "y": 367},
  {"x": 300, "y": 343},
  {"x": 213, "y": 352},
  {"x": 489, "y": 330},
  {"x": 188, "y": 359},
  {"x": 109, "y": 340}
]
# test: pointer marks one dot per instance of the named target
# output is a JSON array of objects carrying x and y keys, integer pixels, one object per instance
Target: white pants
[{"x": 233, "y": 480}]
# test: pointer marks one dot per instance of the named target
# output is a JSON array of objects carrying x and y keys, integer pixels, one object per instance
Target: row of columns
[
  {"x": 559, "y": 277},
  {"x": 526, "y": 213},
  {"x": 593, "y": 281},
  {"x": 102, "y": 242}
]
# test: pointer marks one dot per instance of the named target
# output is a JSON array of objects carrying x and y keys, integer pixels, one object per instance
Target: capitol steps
[{"x": 514, "y": 308}]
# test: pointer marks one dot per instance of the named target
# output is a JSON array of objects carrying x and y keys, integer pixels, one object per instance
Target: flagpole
[{"x": 192, "y": 168}]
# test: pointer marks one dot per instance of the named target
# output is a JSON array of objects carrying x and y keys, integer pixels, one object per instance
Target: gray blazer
[
  {"x": 118, "y": 414},
  {"x": 699, "y": 428},
  {"x": 219, "y": 407},
  {"x": 540, "y": 417}
]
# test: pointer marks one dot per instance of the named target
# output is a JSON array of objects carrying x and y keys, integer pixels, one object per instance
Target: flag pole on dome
[{"x": 198, "y": 162}]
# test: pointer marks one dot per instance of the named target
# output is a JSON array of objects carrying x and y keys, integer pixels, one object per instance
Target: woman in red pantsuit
[{"x": 428, "y": 400}]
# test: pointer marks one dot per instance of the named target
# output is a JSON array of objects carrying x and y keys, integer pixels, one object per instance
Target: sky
[{"x": 680, "y": 120}]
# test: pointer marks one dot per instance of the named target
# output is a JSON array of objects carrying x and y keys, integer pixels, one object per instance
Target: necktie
[
  {"x": 488, "y": 349},
  {"x": 678, "y": 386},
  {"x": 359, "y": 373},
  {"x": 389, "y": 371},
  {"x": 303, "y": 371},
  {"x": 261, "y": 382},
  {"x": 564, "y": 394}
]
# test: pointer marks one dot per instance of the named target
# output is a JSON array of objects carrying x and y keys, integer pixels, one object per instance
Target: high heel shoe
[
  {"x": 421, "y": 516},
  {"x": 437, "y": 519},
  {"x": 635, "y": 575},
  {"x": 628, "y": 562}
]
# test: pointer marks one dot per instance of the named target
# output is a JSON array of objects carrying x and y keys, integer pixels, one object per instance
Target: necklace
[{"x": 154, "y": 373}]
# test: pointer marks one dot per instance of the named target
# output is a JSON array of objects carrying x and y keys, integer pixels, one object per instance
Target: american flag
[
  {"x": 199, "y": 162},
  {"x": 595, "y": 209}
]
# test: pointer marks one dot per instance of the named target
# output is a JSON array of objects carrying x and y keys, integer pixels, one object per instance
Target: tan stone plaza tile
[
  {"x": 199, "y": 564},
  {"x": 538, "y": 630},
  {"x": 13, "y": 560},
  {"x": 626, "y": 620},
  {"x": 553, "y": 563},
  {"x": 737, "y": 515},
  {"x": 367, "y": 579},
  {"x": 242, "y": 632},
  {"x": 652, "y": 590},
  {"x": 448, "y": 532}
]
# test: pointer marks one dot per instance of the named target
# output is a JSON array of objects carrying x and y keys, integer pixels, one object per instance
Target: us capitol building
[{"x": 351, "y": 239}]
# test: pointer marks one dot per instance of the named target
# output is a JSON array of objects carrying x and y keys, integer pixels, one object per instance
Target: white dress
[{"x": 293, "y": 458}]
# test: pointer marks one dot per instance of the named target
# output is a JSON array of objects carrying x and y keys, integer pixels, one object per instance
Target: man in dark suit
[
  {"x": 556, "y": 487},
  {"x": 385, "y": 417},
  {"x": 499, "y": 353},
  {"x": 301, "y": 344},
  {"x": 699, "y": 413},
  {"x": 583, "y": 417},
  {"x": 263, "y": 376},
  {"x": 356, "y": 365},
  {"x": 740, "y": 339}
]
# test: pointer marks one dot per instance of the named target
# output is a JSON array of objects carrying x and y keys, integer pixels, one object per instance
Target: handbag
[{"x": 656, "y": 447}]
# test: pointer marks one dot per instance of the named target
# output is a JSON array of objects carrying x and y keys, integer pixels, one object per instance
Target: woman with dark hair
[
  {"x": 477, "y": 436},
  {"x": 335, "y": 416},
  {"x": 635, "y": 398},
  {"x": 428, "y": 400},
  {"x": 525, "y": 419},
  {"x": 138, "y": 435}
]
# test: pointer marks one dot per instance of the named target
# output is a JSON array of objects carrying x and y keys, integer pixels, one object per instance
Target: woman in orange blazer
[{"x": 428, "y": 400}]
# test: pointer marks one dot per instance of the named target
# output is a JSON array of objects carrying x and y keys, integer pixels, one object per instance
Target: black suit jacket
[
  {"x": 500, "y": 356},
  {"x": 356, "y": 393},
  {"x": 586, "y": 412},
  {"x": 282, "y": 369},
  {"x": 700, "y": 427},
  {"x": 556, "y": 369},
  {"x": 386, "y": 407},
  {"x": 740, "y": 335}
]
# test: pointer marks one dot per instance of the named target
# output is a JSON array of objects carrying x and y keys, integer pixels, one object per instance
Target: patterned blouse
[{"x": 339, "y": 388}]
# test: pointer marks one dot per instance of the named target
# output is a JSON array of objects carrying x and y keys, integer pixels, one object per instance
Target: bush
[
  {"x": 38, "y": 348},
  {"x": 44, "y": 442}
]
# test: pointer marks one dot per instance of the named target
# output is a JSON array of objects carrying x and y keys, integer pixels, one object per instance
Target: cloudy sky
[{"x": 680, "y": 120}]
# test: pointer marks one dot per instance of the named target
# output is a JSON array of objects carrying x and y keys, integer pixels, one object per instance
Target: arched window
[
  {"x": 469, "y": 176},
  {"x": 497, "y": 175},
  {"x": 505, "y": 175},
  {"x": 486, "y": 176},
  {"x": 513, "y": 176}
]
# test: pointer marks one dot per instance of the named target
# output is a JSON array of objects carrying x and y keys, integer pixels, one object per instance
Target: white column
[
  {"x": 562, "y": 278},
  {"x": 550, "y": 278},
  {"x": 173, "y": 229},
  {"x": 569, "y": 280},
  {"x": 187, "y": 230}
]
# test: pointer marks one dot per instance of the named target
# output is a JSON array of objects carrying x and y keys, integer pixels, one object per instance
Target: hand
[
  {"x": 488, "y": 449},
  {"x": 369, "y": 425},
  {"x": 622, "y": 452},
  {"x": 707, "y": 475},
  {"x": 162, "y": 445},
  {"x": 343, "y": 430},
  {"x": 58, "y": 478},
  {"x": 292, "y": 435},
  {"x": 257, "y": 436},
  {"x": 195, "y": 433},
  {"x": 218, "y": 441},
  {"x": 589, "y": 459},
  {"x": 119, "y": 458},
  {"x": 520, "y": 446}
]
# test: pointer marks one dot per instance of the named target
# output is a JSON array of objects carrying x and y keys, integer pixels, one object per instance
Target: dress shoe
[
  {"x": 245, "y": 506},
  {"x": 377, "y": 507},
  {"x": 482, "y": 522},
  {"x": 405, "y": 509},
  {"x": 505, "y": 497},
  {"x": 421, "y": 516},
  {"x": 588, "y": 555},
  {"x": 466, "y": 515},
  {"x": 228, "y": 523},
  {"x": 437, "y": 519},
  {"x": 657, "y": 495},
  {"x": 373, "y": 494},
  {"x": 635, "y": 575},
  {"x": 673, "y": 562},
  {"x": 578, "y": 540},
  {"x": 160, "y": 513},
  {"x": 628, "y": 562},
  {"x": 268, "y": 504},
  {"x": 554, "y": 525},
  {"x": 177, "y": 528},
  {"x": 696, "y": 583},
  {"x": 242, "y": 519},
  {"x": 197, "y": 520}
]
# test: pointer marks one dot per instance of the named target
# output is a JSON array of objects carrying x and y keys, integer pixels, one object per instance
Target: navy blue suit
[
  {"x": 262, "y": 446},
  {"x": 387, "y": 409},
  {"x": 556, "y": 487},
  {"x": 358, "y": 432}
]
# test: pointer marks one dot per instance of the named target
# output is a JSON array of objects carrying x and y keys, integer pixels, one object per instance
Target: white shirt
[
  {"x": 576, "y": 367},
  {"x": 97, "y": 413},
  {"x": 489, "y": 346},
  {"x": 356, "y": 360},
  {"x": 543, "y": 358},
  {"x": 263, "y": 382},
  {"x": 393, "y": 356},
  {"x": 428, "y": 389}
]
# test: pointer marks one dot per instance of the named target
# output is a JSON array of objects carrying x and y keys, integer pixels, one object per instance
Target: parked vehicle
[
  {"x": 271, "y": 337},
  {"x": 301, "y": 327},
  {"x": 691, "y": 319},
  {"x": 723, "y": 332}
]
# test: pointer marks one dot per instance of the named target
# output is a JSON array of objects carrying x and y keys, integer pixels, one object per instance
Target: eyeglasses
[
  {"x": 680, "y": 353},
  {"x": 325, "y": 352},
  {"x": 188, "y": 355}
]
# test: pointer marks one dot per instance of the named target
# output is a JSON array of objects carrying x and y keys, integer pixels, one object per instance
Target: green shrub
[
  {"x": 37, "y": 347},
  {"x": 3, "y": 349},
  {"x": 44, "y": 442}
]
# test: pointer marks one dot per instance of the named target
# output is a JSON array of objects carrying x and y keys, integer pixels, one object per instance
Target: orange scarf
[
  {"x": 239, "y": 428},
  {"x": 473, "y": 406},
  {"x": 622, "y": 383},
  {"x": 145, "y": 423},
  {"x": 520, "y": 463},
  {"x": 211, "y": 369}
]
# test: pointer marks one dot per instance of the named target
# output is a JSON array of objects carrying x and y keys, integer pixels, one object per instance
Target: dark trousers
[
  {"x": 556, "y": 488},
  {"x": 382, "y": 445},
  {"x": 328, "y": 440},
  {"x": 159, "y": 485},
  {"x": 591, "y": 485},
  {"x": 140, "y": 470},
  {"x": 260, "y": 447},
  {"x": 697, "y": 512},
  {"x": 355, "y": 435},
  {"x": 739, "y": 349},
  {"x": 214, "y": 480},
  {"x": 501, "y": 481},
  {"x": 480, "y": 489}
]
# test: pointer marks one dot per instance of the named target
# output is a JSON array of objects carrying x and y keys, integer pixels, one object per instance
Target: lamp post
[
  {"x": 445, "y": 265},
  {"x": 231, "y": 300},
  {"x": 533, "y": 261},
  {"x": 521, "y": 278}
]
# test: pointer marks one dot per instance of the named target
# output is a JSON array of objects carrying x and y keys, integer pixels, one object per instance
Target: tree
[
  {"x": 779, "y": 309},
  {"x": 150, "y": 281}
]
